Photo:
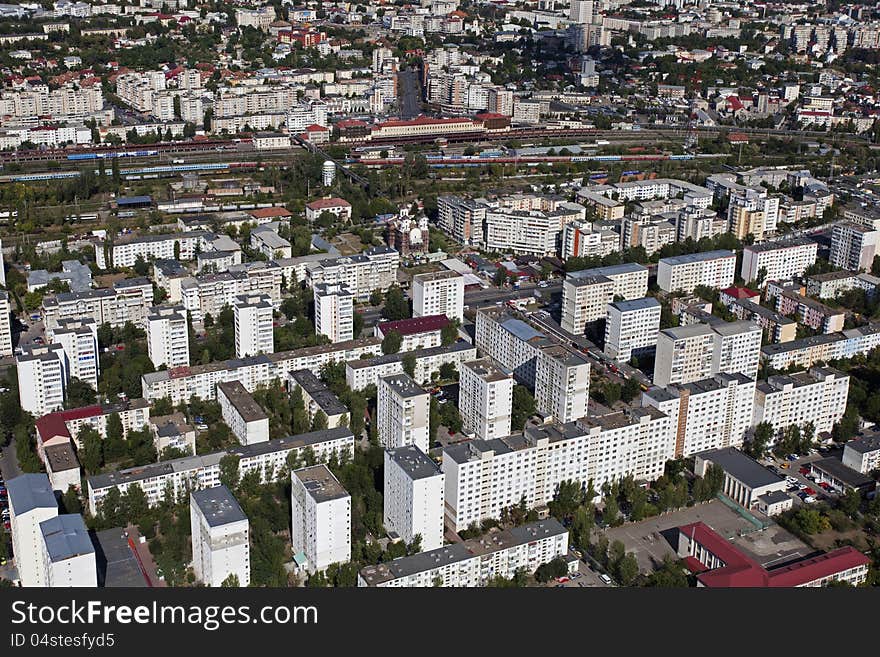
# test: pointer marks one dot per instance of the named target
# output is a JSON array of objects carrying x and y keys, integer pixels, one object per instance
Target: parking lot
[
  {"x": 653, "y": 539},
  {"x": 801, "y": 486}
]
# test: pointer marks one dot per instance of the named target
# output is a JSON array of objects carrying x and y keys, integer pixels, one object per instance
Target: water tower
[{"x": 328, "y": 173}]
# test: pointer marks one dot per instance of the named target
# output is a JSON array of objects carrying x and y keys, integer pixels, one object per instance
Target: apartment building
[
  {"x": 484, "y": 477},
  {"x": 475, "y": 561},
  {"x": 208, "y": 294},
  {"x": 168, "y": 336},
  {"x": 321, "y": 518},
  {"x": 853, "y": 246},
  {"x": 402, "y": 413},
  {"x": 485, "y": 399},
  {"x": 588, "y": 240},
  {"x": 220, "y": 538},
  {"x": 335, "y": 206},
  {"x": 814, "y": 314},
  {"x": 128, "y": 300},
  {"x": 252, "y": 316},
  {"x": 438, "y": 293},
  {"x": 631, "y": 327},
  {"x": 752, "y": 211},
  {"x": 558, "y": 375},
  {"x": 714, "y": 269},
  {"x": 79, "y": 340},
  {"x": 737, "y": 348},
  {"x": 774, "y": 261},
  {"x": 829, "y": 285},
  {"x": 530, "y": 232},
  {"x": 413, "y": 497},
  {"x": 182, "y": 476},
  {"x": 816, "y": 396},
  {"x": 822, "y": 348},
  {"x": 201, "y": 380},
  {"x": 126, "y": 251},
  {"x": 863, "y": 453},
  {"x": 417, "y": 332},
  {"x": 334, "y": 311},
  {"x": 5, "y": 322},
  {"x": 684, "y": 354},
  {"x": 244, "y": 416},
  {"x": 31, "y": 502},
  {"x": 361, "y": 373},
  {"x": 463, "y": 219},
  {"x": 706, "y": 414},
  {"x": 586, "y": 294},
  {"x": 42, "y": 378},
  {"x": 67, "y": 553},
  {"x": 374, "y": 269},
  {"x": 318, "y": 397}
]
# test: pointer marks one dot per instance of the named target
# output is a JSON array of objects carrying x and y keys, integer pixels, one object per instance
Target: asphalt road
[{"x": 410, "y": 97}]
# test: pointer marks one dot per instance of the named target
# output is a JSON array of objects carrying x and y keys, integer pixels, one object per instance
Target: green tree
[
  {"x": 392, "y": 342},
  {"x": 396, "y": 305},
  {"x": 409, "y": 363},
  {"x": 449, "y": 333},
  {"x": 231, "y": 581},
  {"x": 78, "y": 394},
  {"x": 523, "y": 407},
  {"x": 90, "y": 453},
  {"x": 229, "y": 471},
  {"x": 759, "y": 444},
  {"x": 627, "y": 569},
  {"x": 319, "y": 421}
]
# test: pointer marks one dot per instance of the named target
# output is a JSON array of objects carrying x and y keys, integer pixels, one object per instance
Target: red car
[
  {"x": 810, "y": 491},
  {"x": 804, "y": 471},
  {"x": 825, "y": 485}
]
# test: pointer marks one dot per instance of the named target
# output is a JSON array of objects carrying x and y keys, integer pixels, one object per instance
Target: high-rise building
[
  {"x": 42, "y": 378},
  {"x": 220, "y": 538},
  {"x": 778, "y": 260},
  {"x": 413, "y": 497},
  {"x": 737, "y": 348},
  {"x": 402, "y": 412},
  {"x": 68, "y": 553},
  {"x": 817, "y": 396},
  {"x": 334, "y": 311},
  {"x": 714, "y": 269},
  {"x": 5, "y": 325},
  {"x": 321, "y": 518},
  {"x": 587, "y": 293},
  {"x": 485, "y": 399},
  {"x": 438, "y": 293},
  {"x": 168, "y": 336},
  {"x": 252, "y": 314},
  {"x": 79, "y": 339},
  {"x": 241, "y": 412},
  {"x": 631, "y": 327},
  {"x": 31, "y": 501},
  {"x": 699, "y": 351},
  {"x": 853, "y": 246},
  {"x": 707, "y": 414}
]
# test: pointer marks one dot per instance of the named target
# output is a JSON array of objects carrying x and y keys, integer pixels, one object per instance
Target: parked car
[
  {"x": 804, "y": 471},
  {"x": 605, "y": 579},
  {"x": 809, "y": 499},
  {"x": 792, "y": 457},
  {"x": 809, "y": 491},
  {"x": 791, "y": 480}
]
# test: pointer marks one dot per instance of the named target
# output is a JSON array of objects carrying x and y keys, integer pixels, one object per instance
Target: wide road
[{"x": 410, "y": 94}]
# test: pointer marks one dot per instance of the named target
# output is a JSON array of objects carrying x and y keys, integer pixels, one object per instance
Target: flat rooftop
[
  {"x": 66, "y": 537},
  {"x": 243, "y": 402},
  {"x": 414, "y": 462},
  {"x": 31, "y": 491},
  {"x": 403, "y": 385},
  {"x": 487, "y": 369},
  {"x": 741, "y": 467},
  {"x": 689, "y": 258},
  {"x": 117, "y": 564},
  {"x": 320, "y": 483},
  {"x": 218, "y": 505}
]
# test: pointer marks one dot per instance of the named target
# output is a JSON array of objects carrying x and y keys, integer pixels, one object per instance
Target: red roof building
[
  {"x": 270, "y": 213},
  {"x": 721, "y": 565},
  {"x": 414, "y": 326}
]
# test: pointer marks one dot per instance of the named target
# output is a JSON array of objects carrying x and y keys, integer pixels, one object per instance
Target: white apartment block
[
  {"x": 128, "y": 300},
  {"x": 374, "y": 269},
  {"x": 31, "y": 501},
  {"x": 67, "y": 553},
  {"x": 244, "y": 416},
  {"x": 853, "y": 246},
  {"x": 207, "y": 294},
  {"x": 438, "y": 293},
  {"x": 168, "y": 336},
  {"x": 699, "y": 351},
  {"x": 463, "y": 219},
  {"x": 714, "y": 269},
  {"x": 202, "y": 380},
  {"x": 631, "y": 327},
  {"x": 822, "y": 348},
  {"x": 863, "y": 453},
  {"x": 5, "y": 322},
  {"x": 42, "y": 378},
  {"x": 413, "y": 497},
  {"x": 586, "y": 240},
  {"x": 402, "y": 413},
  {"x": 361, "y": 373},
  {"x": 475, "y": 561},
  {"x": 708, "y": 414},
  {"x": 684, "y": 354},
  {"x": 818, "y": 396},
  {"x": 252, "y": 315},
  {"x": 318, "y": 397},
  {"x": 125, "y": 253},
  {"x": 334, "y": 311},
  {"x": 79, "y": 339},
  {"x": 586, "y": 294},
  {"x": 778, "y": 260},
  {"x": 182, "y": 476},
  {"x": 558, "y": 375},
  {"x": 321, "y": 518},
  {"x": 534, "y": 232},
  {"x": 483, "y": 477},
  {"x": 485, "y": 399},
  {"x": 220, "y": 541}
]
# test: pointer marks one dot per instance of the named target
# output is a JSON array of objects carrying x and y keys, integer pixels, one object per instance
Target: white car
[
  {"x": 791, "y": 480},
  {"x": 809, "y": 499}
]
